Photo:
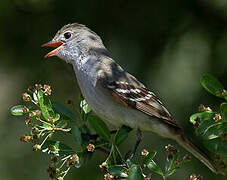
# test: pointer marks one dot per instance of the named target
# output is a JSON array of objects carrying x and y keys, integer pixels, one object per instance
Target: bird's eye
[{"x": 67, "y": 35}]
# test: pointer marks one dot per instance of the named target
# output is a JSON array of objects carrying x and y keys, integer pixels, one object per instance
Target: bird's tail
[{"x": 192, "y": 148}]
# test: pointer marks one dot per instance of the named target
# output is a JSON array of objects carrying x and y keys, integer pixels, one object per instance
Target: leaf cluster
[
  {"x": 211, "y": 126},
  {"x": 46, "y": 118}
]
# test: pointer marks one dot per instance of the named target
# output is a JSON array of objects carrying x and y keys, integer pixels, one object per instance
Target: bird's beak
[{"x": 58, "y": 44}]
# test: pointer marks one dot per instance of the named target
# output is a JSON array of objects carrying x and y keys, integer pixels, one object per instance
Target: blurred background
[{"x": 168, "y": 45}]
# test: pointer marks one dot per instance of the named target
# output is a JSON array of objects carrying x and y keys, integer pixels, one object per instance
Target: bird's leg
[{"x": 138, "y": 140}]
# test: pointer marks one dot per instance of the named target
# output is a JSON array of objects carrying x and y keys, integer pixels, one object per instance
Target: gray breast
[{"x": 106, "y": 107}]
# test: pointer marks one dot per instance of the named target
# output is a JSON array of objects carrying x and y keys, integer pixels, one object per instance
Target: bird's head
[{"x": 72, "y": 40}]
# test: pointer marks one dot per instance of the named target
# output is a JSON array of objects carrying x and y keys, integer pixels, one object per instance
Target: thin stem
[
  {"x": 138, "y": 140},
  {"x": 164, "y": 177},
  {"x": 41, "y": 131},
  {"x": 61, "y": 129},
  {"x": 111, "y": 151},
  {"x": 45, "y": 139},
  {"x": 64, "y": 161},
  {"x": 38, "y": 118},
  {"x": 66, "y": 171},
  {"x": 66, "y": 157},
  {"x": 36, "y": 103},
  {"x": 63, "y": 164}
]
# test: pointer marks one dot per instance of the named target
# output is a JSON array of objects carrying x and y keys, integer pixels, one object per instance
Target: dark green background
[{"x": 167, "y": 45}]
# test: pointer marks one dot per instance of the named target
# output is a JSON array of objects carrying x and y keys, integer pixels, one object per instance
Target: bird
[{"x": 115, "y": 95}]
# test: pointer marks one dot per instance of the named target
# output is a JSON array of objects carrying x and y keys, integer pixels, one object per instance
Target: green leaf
[
  {"x": 202, "y": 116},
  {"x": 100, "y": 127},
  {"x": 135, "y": 173},
  {"x": 170, "y": 164},
  {"x": 170, "y": 172},
  {"x": 215, "y": 131},
  {"x": 205, "y": 120},
  {"x": 57, "y": 148},
  {"x": 155, "y": 168},
  {"x": 118, "y": 170},
  {"x": 115, "y": 156},
  {"x": 17, "y": 110},
  {"x": 122, "y": 135},
  {"x": 85, "y": 157},
  {"x": 84, "y": 105},
  {"x": 149, "y": 157},
  {"x": 45, "y": 105},
  {"x": 85, "y": 130},
  {"x": 217, "y": 145},
  {"x": 204, "y": 125},
  {"x": 223, "y": 108},
  {"x": 62, "y": 124},
  {"x": 129, "y": 163},
  {"x": 212, "y": 85},
  {"x": 77, "y": 135},
  {"x": 64, "y": 111},
  {"x": 46, "y": 126},
  {"x": 57, "y": 117}
]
